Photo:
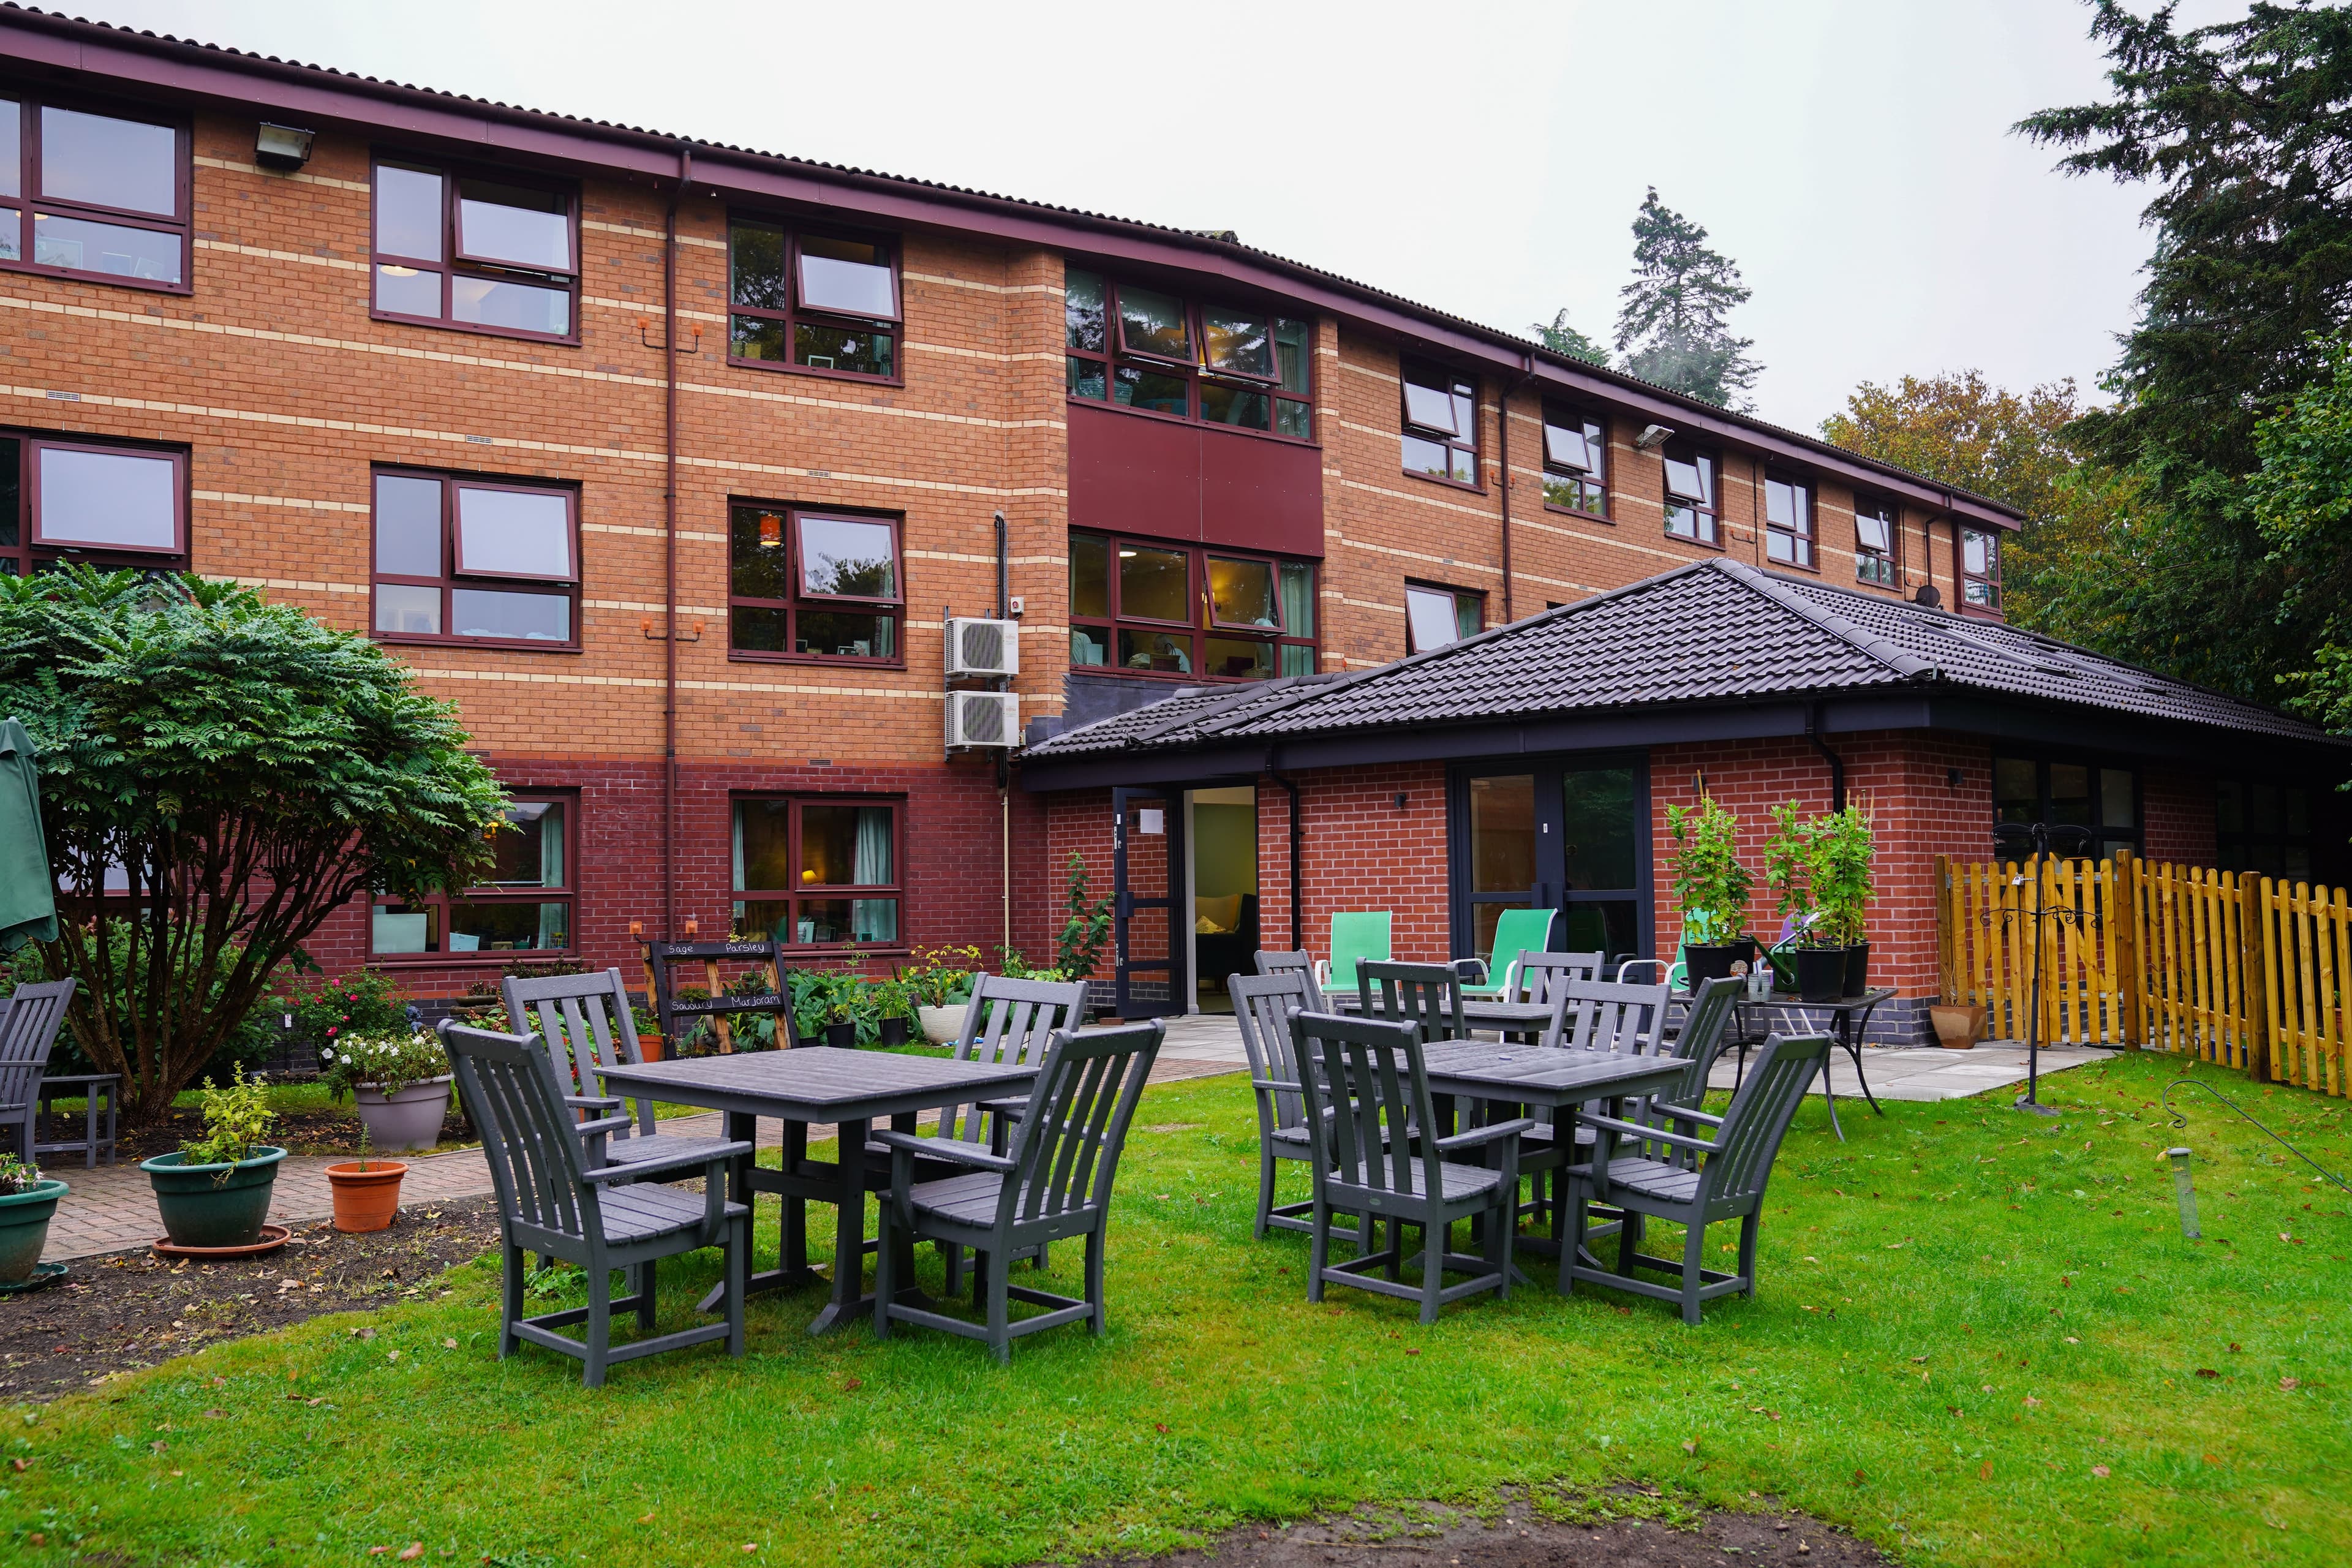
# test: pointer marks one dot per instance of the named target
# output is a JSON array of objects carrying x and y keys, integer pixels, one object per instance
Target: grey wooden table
[
  {"x": 817, "y": 1085},
  {"x": 1503, "y": 1017}
]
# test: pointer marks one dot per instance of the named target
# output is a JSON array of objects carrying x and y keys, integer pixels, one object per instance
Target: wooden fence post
[
  {"x": 2122, "y": 919},
  {"x": 2253, "y": 919}
]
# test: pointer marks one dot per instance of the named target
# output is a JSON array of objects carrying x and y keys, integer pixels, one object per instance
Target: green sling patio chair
[
  {"x": 1355, "y": 935},
  {"x": 1518, "y": 931}
]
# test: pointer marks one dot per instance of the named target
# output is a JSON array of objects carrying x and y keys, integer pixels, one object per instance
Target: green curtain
[{"x": 873, "y": 920}]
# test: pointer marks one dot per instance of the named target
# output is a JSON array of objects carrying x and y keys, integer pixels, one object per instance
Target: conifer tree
[
  {"x": 1563, "y": 339},
  {"x": 1671, "y": 328}
]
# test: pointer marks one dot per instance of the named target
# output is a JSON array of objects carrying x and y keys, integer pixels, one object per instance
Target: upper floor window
[
  {"x": 1173, "y": 609},
  {"x": 525, "y": 905},
  {"x": 1441, "y": 423},
  {"x": 1434, "y": 616},
  {"x": 494, "y": 253},
  {"x": 813, "y": 584},
  {"x": 1787, "y": 521},
  {"x": 476, "y": 560},
  {"x": 105, "y": 195},
  {"x": 816, "y": 301},
  {"x": 1694, "y": 509},
  {"x": 1220, "y": 365},
  {"x": 1576, "y": 458},
  {"x": 818, "y": 871},
  {"x": 1980, "y": 568},
  {"x": 69, "y": 497},
  {"x": 1874, "y": 541}
]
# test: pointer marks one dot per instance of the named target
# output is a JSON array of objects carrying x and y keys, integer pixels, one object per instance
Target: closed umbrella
[{"x": 29, "y": 895}]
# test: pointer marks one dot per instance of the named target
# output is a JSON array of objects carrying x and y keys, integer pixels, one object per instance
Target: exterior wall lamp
[{"x": 282, "y": 147}]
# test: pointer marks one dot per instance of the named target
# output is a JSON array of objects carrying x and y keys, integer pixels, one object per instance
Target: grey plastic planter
[
  {"x": 25, "y": 1228},
  {"x": 410, "y": 1119}
]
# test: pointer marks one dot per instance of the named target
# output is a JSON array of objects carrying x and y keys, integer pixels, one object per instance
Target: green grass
[{"x": 1963, "y": 1311}]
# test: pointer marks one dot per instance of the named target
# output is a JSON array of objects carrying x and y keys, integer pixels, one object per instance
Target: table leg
[
  {"x": 794, "y": 1247},
  {"x": 791, "y": 1271},
  {"x": 89, "y": 1129},
  {"x": 849, "y": 1304},
  {"x": 1856, "y": 1033}
]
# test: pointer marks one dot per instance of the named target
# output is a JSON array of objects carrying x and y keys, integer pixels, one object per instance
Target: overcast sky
[{"x": 1853, "y": 156}]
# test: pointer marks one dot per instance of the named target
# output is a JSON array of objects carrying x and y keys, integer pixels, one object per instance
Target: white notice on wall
[{"x": 1150, "y": 819}]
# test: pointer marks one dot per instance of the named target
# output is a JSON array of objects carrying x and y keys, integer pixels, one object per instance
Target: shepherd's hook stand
[
  {"x": 2179, "y": 1157},
  {"x": 2032, "y": 1098}
]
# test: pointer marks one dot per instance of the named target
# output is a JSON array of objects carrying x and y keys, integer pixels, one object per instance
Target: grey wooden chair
[
  {"x": 1263, "y": 1004},
  {"x": 1272, "y": 962},
  {"x": 1054, "y": 1182},
  {"x": 29, "y": 1031},
  {"x": 1538, "y": 978},
  {"x": 1690, "y": 1179},
  {"x": 586, "y": 1025},
  {"x": 1365, "y": 1087},
  {"x": 552, "y": 1200},
  {"x": 1428, "y": 996}
]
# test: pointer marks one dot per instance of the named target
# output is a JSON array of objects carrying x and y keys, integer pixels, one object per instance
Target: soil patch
[
  {"x": 123, "y": 1310},
  {"x": 329, "y": 1130},
  {"x": 1523, "y": 1529}
]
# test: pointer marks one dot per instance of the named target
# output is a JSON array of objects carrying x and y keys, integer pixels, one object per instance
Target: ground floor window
[
  {"x": 2070, "y": 793},
  {"x": 71, "y": 499},
  {"x": 525, "y": 906},
  {"x": 818, "y": 871},
  {"x": 1570, "y": 835},
  {"x": 2264, "y": 828}
]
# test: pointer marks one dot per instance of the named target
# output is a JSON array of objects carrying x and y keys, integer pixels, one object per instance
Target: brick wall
[{"x": 2178, "y": 820}]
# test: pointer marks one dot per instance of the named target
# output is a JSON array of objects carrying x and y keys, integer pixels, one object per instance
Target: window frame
[
  {"x": 1559, "y": 414},
  {"x": 28, "y": 484},
  {"x": 1805, "y": 536},
  {"x": 2244, "y": 847},
  {"x": 451, "y": 579},
  {"x": 1203, "y": 622},
  {"x": 800, "y": 598},
  {"x": 1417, "y": 585},
  {"x": 2095, "y": 763},
  {"x": 453, "y": 264},
  {"x": 31, "y": 199},
  {"x": 794, "y": 314},
  {"x": 1195, "y": 372},
  {"x": 1890, "y": 558},
  {"x": 1710, "y": 515},
  {"x": 799, "y": 801},
  {"x": 438, "y": 902},
  {"x": 1988, "y": 581},
  {"x": 1407, "y": 426}
]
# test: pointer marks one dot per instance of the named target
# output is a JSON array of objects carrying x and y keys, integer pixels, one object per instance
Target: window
[
  {"x": 823, "y": 302},
  {"x": 1874, "y": 522},
  {"x": 818, "y": 871},
  {"x": 105, "y": 195},
  {"x": 1217, "y": 363},
  {"x": 2264, "y": 828},
  {"x": 68, "y": 497},
  {"x": 1979, "y": 568},
  {"x": 482, "y": 252},
  {"x": 476, "y": 560},
  {"x": 2070, "y": 793},
  {"x": 1436, "y": 616},
  {"x": 1575, "y": 461},
  {"x": 1441, "y": 423},
  {"x": 1787, "y": 521},
  {"x": 813, "y": 584},
  {"x": 1200, "y": 611},
  {"x": 526, "y": 905},
  {"x": 1694, "y": 511}
]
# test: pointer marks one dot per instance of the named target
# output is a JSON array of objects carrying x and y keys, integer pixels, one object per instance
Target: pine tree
[
  {"x": 1562, "y": 338},
  {"x": 1672, "y": 329}
]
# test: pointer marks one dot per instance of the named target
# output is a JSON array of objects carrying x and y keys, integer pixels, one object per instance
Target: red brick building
[{"x": 669, "y": 463}]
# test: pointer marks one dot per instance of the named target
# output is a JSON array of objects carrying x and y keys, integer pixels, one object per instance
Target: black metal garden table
[
  {"x": 817, "y": 1086},
  {"x": 1848, "y": 1017}
]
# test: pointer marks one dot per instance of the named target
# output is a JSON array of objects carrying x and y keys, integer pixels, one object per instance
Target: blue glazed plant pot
[
  {"x": 214, "y": 1206},
  {"x": 25, "y": 1228}
]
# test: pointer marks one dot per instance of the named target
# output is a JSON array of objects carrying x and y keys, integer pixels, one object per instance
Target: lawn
[{"x": 1980, "y": 1338}]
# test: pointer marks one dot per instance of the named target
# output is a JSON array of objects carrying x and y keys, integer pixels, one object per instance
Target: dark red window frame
[
  {"x": 1472, "y": 597},
  {"x": 453, "y": 265},
  {"x": 1707, "y": 520},
  {"x": 22, "y": 551},
  {"x": 1580, "y": 483},
  {"x": 451, "y": 579},
  {"x": 31, "y": 200},
  {"x": 1201, "y": 623},
  {"x": 796, "y": 315},
  {"x": 1802, "y": 533},
  {"x": 1431, "y": 374},
  {"x": 1882, "y": 567},
  {"x": 799, "y": 892},
  {"x": 436, "y": 905},
  {"x": 1091, "y": 367},
  {"x": 1980, "y": 590},
  {"x": 792, "y": 604}
]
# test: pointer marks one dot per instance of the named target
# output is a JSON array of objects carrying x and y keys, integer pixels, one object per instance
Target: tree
[
  {"x": 1562, "y": 338},
  {"x": 248, "y": 770},
  {"x": 2301, "y": 500},
  {"x": 1671, "y": 328}
]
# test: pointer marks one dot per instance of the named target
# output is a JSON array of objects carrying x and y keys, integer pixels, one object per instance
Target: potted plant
[
  {"x": 366, "y": 1191},
  {"x": 649, "y": 1034},
  {"x": 940, "y": 985},
  {"x": 401, "y": 1082},
  {"x": 1712, "y": 887},
  {"x": 27, "y": 1201},
  {"x": 214, "y": 1192},
  {"x": 1838, "y": 869},
  {"x": 894, "y": 1011}
]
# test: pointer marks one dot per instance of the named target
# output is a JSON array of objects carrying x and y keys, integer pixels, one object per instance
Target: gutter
[{"x": 1837, "y": 764}]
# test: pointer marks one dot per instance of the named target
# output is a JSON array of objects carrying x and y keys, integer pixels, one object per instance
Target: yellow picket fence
[{"x": 2230, "y": 967}]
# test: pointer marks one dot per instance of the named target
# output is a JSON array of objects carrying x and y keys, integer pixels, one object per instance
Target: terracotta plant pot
[
  {"x": 214, "y": 1206},
  {"x": 649, "y": 1047},
  {"x": 941, "y": 1024},
  {"x": 410, "y": 1119},
  {"x": 366, "y": 1199},
  {"x": 1957, "y": 1026},
  {"x": 25, "y": 1228}
]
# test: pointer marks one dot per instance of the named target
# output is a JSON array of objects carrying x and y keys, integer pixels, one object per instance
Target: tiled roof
[{"x": 1711, "y": 632}]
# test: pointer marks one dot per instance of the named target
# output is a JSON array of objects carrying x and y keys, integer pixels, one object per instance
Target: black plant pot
[
  {"x": 1714, "y": 961},
  {"x": 842, "y": 1035},
  {"x": 1821, "y": 974},
  {"x": 1857, "y": 969},
  {"x": 894, "y": 1032}
]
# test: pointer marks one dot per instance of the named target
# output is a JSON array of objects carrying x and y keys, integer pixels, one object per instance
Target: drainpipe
[
  {"x": 669, "y": 546},
  {"x": 1837, "y": 764},
  {"x": 1526, "y": 376},
  {"x": 1003, "y": 758},
  {"x": 1298, "y": 856}
]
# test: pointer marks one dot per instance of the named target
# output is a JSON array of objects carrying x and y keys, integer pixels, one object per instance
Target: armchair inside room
[{"x": 1225, "y": 941}]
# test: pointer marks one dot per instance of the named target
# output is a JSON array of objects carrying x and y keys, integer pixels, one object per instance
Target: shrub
[
  {"x": 1710, "y": 883},
  {"x": 236, "y": 1119}
]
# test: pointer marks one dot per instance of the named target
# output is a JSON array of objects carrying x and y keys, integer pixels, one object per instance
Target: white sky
[{"x": 1851, "y": 155}]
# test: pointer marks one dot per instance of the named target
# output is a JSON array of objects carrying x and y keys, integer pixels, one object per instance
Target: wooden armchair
[
  {"x": 586, "y": 1025},
  {"x": 1428, "y": 996},
  {"x": 29, "y": 1032}
]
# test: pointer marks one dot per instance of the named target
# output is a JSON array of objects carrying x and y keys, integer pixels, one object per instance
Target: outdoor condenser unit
[
  {"x": 983, "y": 648},
  {"x": 983, "y": 718}
]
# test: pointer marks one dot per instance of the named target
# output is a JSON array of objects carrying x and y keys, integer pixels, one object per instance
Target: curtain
[
  {"x": 873, "y": 920},
  {"x": 554, "y": 919},
  {"x": 1298, "y": 600}
]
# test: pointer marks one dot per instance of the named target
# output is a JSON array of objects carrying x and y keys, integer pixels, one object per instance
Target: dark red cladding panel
[{"x": 1139, "y": 475}]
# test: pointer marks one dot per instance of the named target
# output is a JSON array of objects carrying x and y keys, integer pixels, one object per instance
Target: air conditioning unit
[
  {"x": 983, "y": 718},
  {"x": 983, "y": 648}
]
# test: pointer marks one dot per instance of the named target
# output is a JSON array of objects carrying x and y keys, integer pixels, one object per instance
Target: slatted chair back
[
  {"x": 1366, "y": 1086},
  {"x": 1518, "y": 933},
  {"x": 528, "y": 1134},
  {"x": 586, "y": 1023},
  {"x": 1610, "y": 1015},
  {"x": 1540, "y": 975},
  {"x": 29, "y": 1031},
  {"x": 1355, "y": 935},
  {"x": 1428, "y": 996},
  {"x": 1740, "y": 1163},
  {"x": 1272, "y": 962},
  {"x": 1705, "y": 1028},
  {"x": 1263, "y": 1004},
  {"x": 1065, "y": 1155},
  {"x": 1010, "y": 1023}
]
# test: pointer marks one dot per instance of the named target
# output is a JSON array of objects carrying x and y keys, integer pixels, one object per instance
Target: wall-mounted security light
[
  {"x": 1651, "y": 438},
  {"x": 282, "y": 147}
]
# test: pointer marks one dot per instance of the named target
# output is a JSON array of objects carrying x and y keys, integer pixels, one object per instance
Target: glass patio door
[{"x": 1570, "y": 835}]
